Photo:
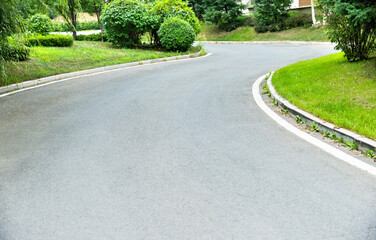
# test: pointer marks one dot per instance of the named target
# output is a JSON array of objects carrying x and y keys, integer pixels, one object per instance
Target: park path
[{"x": 176, "y": 150}]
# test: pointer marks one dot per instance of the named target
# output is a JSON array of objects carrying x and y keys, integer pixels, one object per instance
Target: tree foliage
[
  {"x": 96, "y": 7},
  {"x": 68, "y": 9},
  {"x": 270, "y": 12},
  {"x": 40, "y": 24},
  {"x": 223, "y": 13},
  {"x": 125, "y": 21},
  {"x": 352, "y": 25},
  {"x": 10, "y": 23}
]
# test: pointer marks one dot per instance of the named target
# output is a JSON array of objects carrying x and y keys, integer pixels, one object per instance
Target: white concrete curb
[
  {"x": 268, "y": 42},
  {"x": 31, "y": 83},
  {"x": 305, "y": 136},
  {"x": 363, "y": 142}
]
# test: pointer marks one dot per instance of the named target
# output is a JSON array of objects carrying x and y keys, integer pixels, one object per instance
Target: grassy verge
[
  {"x": 210, "y": 33},
  {"x": 333, "y": 89},
  {"x": 47, "y": 61}
]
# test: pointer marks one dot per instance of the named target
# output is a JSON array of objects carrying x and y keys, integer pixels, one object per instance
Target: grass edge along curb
[
  {"x": 31, "y": 83},
  {"x": 364, "y": 143},
  {"x": 267, "y": 42}
]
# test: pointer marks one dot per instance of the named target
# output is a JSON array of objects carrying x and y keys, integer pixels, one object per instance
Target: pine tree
[{"x": 270, "y": 12}]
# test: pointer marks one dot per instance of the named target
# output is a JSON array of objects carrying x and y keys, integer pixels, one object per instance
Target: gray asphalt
[{"x": 172, "y": 151}]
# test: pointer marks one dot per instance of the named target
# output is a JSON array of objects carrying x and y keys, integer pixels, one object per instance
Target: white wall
[{"x": 295, "y": 4}]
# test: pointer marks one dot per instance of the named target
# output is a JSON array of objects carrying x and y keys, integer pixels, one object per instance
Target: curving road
[{"x": 172, "y": 151}]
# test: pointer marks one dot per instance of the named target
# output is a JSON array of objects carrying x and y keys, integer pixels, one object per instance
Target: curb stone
[
  {"x": 364, "y": 143},
  {"x": 268, "y": 42},
  {"x": 31, "y": 83}
]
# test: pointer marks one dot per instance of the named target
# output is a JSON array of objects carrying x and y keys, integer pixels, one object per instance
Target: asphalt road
[{"x": 172, "y": 151}]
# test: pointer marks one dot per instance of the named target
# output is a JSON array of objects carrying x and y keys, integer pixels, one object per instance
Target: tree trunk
[
  {"x": 98, "y": 12},
  {"x": 313, "y": 13},
  {"x": 73, "y": 18}
]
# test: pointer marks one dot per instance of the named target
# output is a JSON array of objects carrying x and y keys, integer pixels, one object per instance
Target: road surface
[{"x": 176, "y": 150}]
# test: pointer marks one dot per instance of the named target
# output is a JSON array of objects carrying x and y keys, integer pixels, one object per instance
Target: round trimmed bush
[
  {"x": 176, "y": 8},
  {"x": 176, "y": 34},
  {"x": 40, "y": 24},
  {"x": 125, "y": 21}
]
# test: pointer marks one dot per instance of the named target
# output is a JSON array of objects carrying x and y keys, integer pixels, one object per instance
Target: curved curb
[
  {"x": 307, "y": 137},
  {"x": 363, "y": 142},
  {"x": 32, "y": 83},
  {"x": 268, "y": 42}
]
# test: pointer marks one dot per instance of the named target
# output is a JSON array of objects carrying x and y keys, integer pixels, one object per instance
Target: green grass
[
  {"x": 47, "y": 61},
  {"x": 210, "y": 33},
  {"x": 333, "y": 89}
]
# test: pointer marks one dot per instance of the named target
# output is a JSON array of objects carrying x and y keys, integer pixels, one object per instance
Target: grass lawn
[
  {"x": 210, "y": 33},
  {"x": 47, "y": 61},
  {"x": 333, "y": 89}
]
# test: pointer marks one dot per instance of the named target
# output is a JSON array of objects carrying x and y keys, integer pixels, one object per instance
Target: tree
[
  {"x": 96, "y": 7},
  {"x": 352, "y": 25},
  {"x": 10, "y": 23},
  {"x": 271, "y": 12},
  {"x": 68, "y": 10},
  {"x": 198, "y": 7},
  {"x": 223, "y": 13}
]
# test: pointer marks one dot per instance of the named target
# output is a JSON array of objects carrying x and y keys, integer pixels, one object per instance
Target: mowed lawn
[
  {"x": 47, "y": 61},
  {"x": 210, "y": 33},
  {"x": 333, "y": 89}
]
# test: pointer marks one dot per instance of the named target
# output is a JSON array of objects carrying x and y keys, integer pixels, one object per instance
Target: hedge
[
  {"x": 92, "y": 37},
  {"x": 51, "y": 41},
  {"x": 81, "y": 26}
]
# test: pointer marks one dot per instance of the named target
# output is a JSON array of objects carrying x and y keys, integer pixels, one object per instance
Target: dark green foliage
[
  {"x": 51, "y": 41},
  {"x": 164, "y": 9},
  {"x": 15, "y": 49},
  {"x": 223, "y": 13},
  {"x": 125, "y": 21},
  {"x": 91, "y": 37},
  {"x": 176, "y": 34},
  {"x": 270, "y": 14},
  {"x": 198, "y": 8},
  {"x": 81, "y": 26},
  {"x": 40, "y": 24},
  {"x": 352, "y": 25},
  {"x": 247, "y": 21},
  {"x": 10, "y": 23},
  {"x": 297, "y": 21}
]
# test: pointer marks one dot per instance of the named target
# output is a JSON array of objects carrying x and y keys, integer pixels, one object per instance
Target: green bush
[
  {"x": 164, "y": 9},
  {"x": 81, "y": 26},
  {"x": 15, "y": 49},
  {"x": 352, "y": 25},
  {"x": 91, "y": 37},
  {"x": 270, "y": 14},
  {"x": 176, "y": 34},
  {"x": 297, "y": 21},
  {"x": 51, "y": 41},
  {"x": 176, "y": 8},
  {"x": 125, "y": 21},
  {"x": 40, "y": 24}
]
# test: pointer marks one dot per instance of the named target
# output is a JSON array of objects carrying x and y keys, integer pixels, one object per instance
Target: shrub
[
  {"x": 176, "y": 34},
  {"x": 81, "y": 26},
  {"x": 124, "y": 22},
  {"x": 270, "y": 13},
  {"x": 352, "y": 25},
  {"x": 224, "y": 13},
  {"x": 91, "y": 37},
  {"x": 247, "y": 21},
  {"x": 51, "y": 41},
  {"x": 297, "y": 21},
  {"x": 164, "y": 9},
  {"x": 40, "y": 24},
  {"x": 15, "y": 49}
]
